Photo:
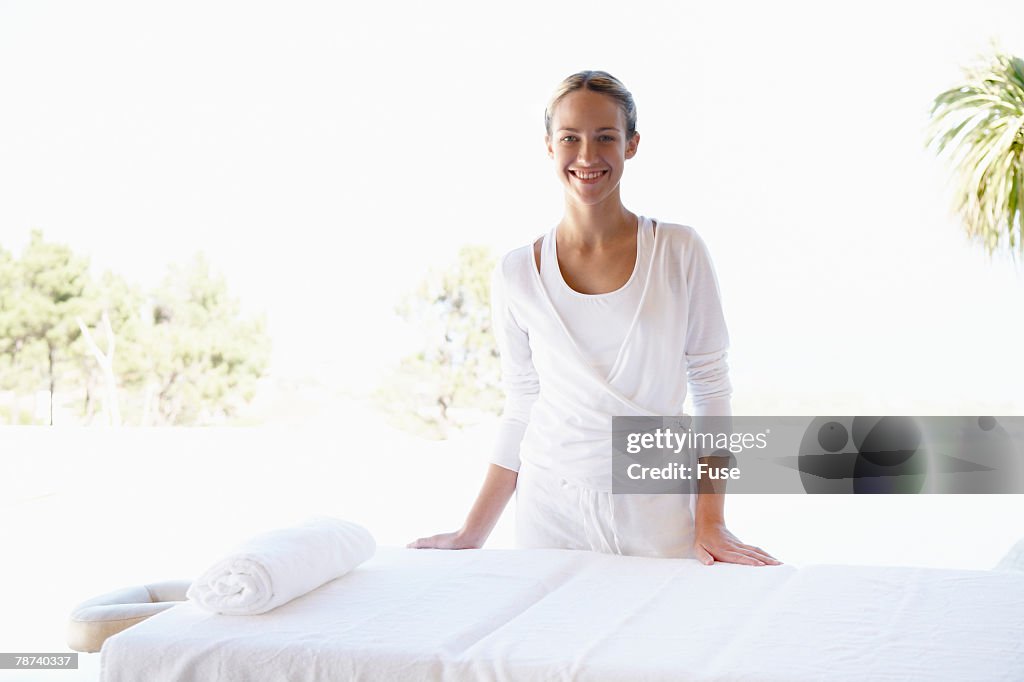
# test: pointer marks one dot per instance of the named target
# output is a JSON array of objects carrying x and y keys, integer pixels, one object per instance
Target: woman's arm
[
  {"x": 712, "y": 540},
  {"x": 707, "y": 341},
  {"x": 522, "y": 386},
  {"x": 498, "y": 487}
]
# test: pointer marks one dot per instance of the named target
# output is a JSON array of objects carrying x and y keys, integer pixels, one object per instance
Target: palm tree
[{"x": 979, "y": 126}]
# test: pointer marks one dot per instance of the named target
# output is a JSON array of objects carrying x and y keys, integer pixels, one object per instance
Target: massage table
[{"x": 572, "y": 615}]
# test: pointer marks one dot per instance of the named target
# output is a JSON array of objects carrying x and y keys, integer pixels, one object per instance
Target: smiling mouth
[{"x": 588, "y": 176}]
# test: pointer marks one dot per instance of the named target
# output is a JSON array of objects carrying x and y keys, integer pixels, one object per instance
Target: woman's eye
[{"x": 602, "y": 138}]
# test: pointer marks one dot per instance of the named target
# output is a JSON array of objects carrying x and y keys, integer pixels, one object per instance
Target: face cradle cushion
[
  {"x": 93, "y": 621},
  {"x": 1014, "y": 559}
]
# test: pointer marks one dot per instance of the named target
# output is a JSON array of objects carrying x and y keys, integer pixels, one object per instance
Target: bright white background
[{"x": 324, "y": 155}]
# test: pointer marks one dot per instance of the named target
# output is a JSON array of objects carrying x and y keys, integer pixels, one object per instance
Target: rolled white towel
[{"x": 277, "y": 566}]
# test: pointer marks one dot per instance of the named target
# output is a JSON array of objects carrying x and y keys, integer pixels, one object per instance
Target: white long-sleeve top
[
  {"x": 599, "y": 323},
  {"x": 558, "y": 406}
]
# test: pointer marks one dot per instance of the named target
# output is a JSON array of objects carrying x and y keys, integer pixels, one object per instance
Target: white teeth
[{"x": 588, "y": 176}]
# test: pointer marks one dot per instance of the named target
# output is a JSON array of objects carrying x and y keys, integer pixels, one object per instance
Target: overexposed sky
[{"x": 324, "y": 155}]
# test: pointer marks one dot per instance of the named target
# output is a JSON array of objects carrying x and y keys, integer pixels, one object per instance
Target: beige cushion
[{"x": 94, "y": 620}]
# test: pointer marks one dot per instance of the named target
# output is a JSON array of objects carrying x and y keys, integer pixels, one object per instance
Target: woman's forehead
[{"x": 588, "y": 109}]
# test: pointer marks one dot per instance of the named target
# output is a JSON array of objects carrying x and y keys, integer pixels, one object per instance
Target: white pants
[{"x": 551, "y": 513}]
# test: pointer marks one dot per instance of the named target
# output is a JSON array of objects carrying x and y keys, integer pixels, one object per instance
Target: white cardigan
[{"x": 558, "y": 408}]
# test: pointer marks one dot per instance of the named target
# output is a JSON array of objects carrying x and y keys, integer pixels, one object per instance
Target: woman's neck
[{"x": 596, "y": 226}]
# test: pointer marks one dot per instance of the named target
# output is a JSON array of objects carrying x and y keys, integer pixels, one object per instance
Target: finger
[
  {"x": 758, "y": 550},
  {"x": 703, "y": 556},
  {"x": 760, "y": 554},
  {"x": 421, "y": 543},
  {"x": 734, "y": 546},
  {"x": 765, "y": 556},
  {"x": 734, "y": 557}
]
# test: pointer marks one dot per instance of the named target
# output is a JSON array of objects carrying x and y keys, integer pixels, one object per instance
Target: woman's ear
[
  {"x": 631, "y": 146},
  {"x": 547, "y": 143}
]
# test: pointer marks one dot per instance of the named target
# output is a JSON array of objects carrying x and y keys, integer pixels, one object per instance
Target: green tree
[
  {"x": 119, "y": 310},
  {"x": 199, "y": 357},
  {"x": 454, "y": 378},
  {"x": 183, "y": 355},
  {"x": 14, "y": 376},
  {"x": 979, "y": 126},
  {"x": 43, "y": 293}
]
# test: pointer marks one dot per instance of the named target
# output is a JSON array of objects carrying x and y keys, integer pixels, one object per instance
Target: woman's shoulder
[
  {"x": 681, "y": 244},
  {"x": 514, "y": 266},
  {"x": 516, "y": 258},
  {"x": 676, "y": 232}
]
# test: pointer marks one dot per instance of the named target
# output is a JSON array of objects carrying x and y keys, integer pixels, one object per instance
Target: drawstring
[
  {"x": 590, "y": 518},
  {"x": 582, "y": 512},
  {"x": 592, "y": 511},
  {"x": 615, "y": 536}
]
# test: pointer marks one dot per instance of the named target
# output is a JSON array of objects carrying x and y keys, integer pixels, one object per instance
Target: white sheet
[{"x": 561, "y": 614}]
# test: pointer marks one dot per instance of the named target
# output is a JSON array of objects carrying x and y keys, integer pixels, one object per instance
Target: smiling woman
[
  {"x": 593, "y": 154},
  {"x": 611, "y": 313}
]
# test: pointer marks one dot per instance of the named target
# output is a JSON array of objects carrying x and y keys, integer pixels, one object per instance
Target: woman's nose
[{"x": 587, "y": 153}]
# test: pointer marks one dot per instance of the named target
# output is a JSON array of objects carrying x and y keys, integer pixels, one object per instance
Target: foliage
[
  {"x": 453, "y": 379},
  {"x": 207, "y": 359},
  {"x": 184, "y": 353},
  {"x": 979, "y": 126},
  {"x": 43, "y": 292}
]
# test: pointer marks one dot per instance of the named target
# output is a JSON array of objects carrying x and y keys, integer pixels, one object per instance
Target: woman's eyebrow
[{"x": 573, "y": 130}]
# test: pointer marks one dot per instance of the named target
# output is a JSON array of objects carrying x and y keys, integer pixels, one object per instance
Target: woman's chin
[{"x": 586, "y": 198}]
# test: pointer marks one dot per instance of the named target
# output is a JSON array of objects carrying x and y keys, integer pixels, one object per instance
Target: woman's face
[{"x": 589, "y": 146}]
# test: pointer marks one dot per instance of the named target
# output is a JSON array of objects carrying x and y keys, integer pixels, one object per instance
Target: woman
[{"x": 612, "y": 314}]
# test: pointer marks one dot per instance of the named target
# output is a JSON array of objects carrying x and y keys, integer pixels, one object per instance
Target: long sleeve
[
  {"x": 518, "y": 375},
  {"x": 707, "y": 338}
]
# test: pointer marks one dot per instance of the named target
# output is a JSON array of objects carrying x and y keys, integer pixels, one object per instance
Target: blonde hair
[{"x": 597, "y": 81}]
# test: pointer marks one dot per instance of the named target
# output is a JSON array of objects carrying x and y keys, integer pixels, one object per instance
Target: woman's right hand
[
  {"x": 456, "y": 540},
  {"x": 498, "y": 487}
]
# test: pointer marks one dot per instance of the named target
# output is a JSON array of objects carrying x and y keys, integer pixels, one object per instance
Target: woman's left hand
[{"x": 713, "y": 542}]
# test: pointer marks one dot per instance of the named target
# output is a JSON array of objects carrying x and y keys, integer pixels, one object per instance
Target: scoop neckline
[{"x": 640, "y": 221}]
